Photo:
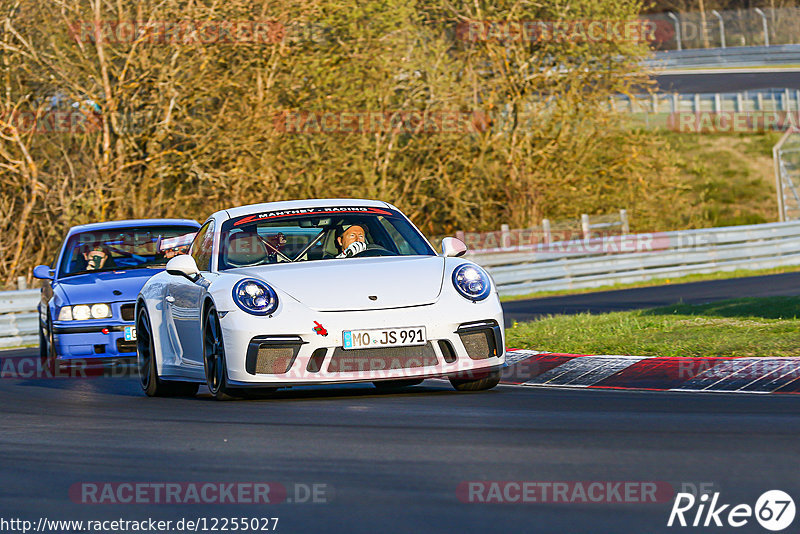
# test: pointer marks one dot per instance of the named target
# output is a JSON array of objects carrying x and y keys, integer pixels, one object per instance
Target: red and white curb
[{"x": 745, "y": 375}]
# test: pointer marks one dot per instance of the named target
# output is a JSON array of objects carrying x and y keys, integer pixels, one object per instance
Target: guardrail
[
  {"x": 737, "y": 56},
  {"x": 640, "y": 257},
  {"x": 18, "y": 318},
  {"x": 579, "y": 263}
]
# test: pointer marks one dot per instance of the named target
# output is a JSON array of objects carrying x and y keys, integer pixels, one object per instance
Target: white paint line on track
[
  {"x": 722, "y": 371},
  {"x": 591, "y": 369},
  {"x": 771, "y": 383}
]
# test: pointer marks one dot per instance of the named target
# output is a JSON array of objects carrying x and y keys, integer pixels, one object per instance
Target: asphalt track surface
[
  {"x": 722, "y": 82},
  {"x": 391, "y": 462},
  {"x": 774, "y": 285}
]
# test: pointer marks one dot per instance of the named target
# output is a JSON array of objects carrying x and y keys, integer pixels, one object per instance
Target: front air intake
[
  {"x": 268, "y": 355},
  {"x": 315, "y": 362},
  {"x": 448, "y": 353},
  {"x": 481, "y": 340},
  {"x": 127, "y": 311}
]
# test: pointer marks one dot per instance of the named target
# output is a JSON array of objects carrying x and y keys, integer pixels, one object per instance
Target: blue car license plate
[{"x": 130, "y": 333}]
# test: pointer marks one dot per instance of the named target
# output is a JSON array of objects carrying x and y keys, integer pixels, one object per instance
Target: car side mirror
[
  {"x": 43, "y": 272},
  {"x": 183, "y": 265},
  {"x": 453, "y": 248}
]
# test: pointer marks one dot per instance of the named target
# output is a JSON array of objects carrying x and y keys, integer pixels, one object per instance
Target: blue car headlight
[
  {"x": 255, "y": 297},
  {"x": 472, "y": 282}
]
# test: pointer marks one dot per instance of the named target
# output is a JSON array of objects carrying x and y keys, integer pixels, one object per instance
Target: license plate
[
  {"x": 130, "y": 333},
  {"x": 384, "y": 337}
]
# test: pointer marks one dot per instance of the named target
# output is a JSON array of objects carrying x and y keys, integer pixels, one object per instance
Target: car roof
[
  {"x": 296, "y": 204},
  {"x": 111, "y": 225}
]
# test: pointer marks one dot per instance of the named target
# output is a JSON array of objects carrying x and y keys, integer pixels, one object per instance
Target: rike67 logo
[{"x": 774, "y": 510}]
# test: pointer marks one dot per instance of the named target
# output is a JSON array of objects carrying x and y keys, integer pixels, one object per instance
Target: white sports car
[{"x": 316, "y": 292}]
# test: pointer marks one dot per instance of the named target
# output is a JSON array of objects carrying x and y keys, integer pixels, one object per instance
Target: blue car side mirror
[{"x": 43, "y": 272}]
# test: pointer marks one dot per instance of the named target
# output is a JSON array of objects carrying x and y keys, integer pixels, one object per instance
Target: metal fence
[
  {"x": 742, "y": 101},
  {"x": 745, "y": 111},
  {"x": 786, "y": 158},
  {"x": 726, "y": 28}
]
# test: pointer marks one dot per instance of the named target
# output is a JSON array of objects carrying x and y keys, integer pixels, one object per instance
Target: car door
[{"x": 184, "y": 297}]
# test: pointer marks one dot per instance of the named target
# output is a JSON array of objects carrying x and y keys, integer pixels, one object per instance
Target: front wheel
[
  {"x": 43, "y": 348},
  {"x": 47, "y": 343},
  {"x": 214, "y": 356},
  {"x": 151, "y": 383},
  {"x": 485, "y": 382}
]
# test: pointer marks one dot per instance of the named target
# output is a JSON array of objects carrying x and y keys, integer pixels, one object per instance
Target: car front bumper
[
  {"x": 95, "y": 340},
  {"x": 279, "y": 351}
]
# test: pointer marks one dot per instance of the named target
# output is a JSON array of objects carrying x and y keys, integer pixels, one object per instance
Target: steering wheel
[{"x": 373, "y": 251}]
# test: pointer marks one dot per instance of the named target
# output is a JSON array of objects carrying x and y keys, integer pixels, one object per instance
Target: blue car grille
[{"x": 127, "y": 311}]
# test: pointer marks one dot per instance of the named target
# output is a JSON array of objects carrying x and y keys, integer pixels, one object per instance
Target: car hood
[
  {"x": 99, "y": 287},
  {"x": 348, "y": 284}
]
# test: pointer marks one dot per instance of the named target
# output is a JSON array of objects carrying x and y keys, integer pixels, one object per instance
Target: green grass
[
  {"x": 658, "y": 282},
  {"x": 761, "y": 327}
]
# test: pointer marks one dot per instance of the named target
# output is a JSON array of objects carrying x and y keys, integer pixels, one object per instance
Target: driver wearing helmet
[{"x": 351, "y": 240}]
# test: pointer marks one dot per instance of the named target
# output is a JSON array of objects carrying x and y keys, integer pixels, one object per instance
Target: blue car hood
[{"x": 99, "y": 287}]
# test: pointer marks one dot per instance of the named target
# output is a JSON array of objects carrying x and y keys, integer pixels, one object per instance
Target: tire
[
  {"x": 44, "y": 350},
  {"x": 151, "y": 383},
  {"x": 478, "y": 384},
  {"x": 214, "y": 357},
  {"x": 397, "y": 384},
  {"x": 47, "y": 344}
]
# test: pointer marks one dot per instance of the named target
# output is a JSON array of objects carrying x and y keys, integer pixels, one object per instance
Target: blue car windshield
[{"x": 118, "y": 249}]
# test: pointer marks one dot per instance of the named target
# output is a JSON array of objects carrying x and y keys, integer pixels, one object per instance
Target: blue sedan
[{"x": 88, "y": 301}]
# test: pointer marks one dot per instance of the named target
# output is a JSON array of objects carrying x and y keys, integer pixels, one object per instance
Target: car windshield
[
  {"x": 117, "y": 249},
  {"x": 316, "y": 234}
]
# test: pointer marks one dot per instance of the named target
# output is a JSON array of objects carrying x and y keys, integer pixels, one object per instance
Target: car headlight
[
  {"x": 83, "y": 312},
  {"x": 472, "y": 282},
  {"x": 100, "y": 311},
  {"x": 255, "y": 297},
  {"x": 65, "y": 313}
]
